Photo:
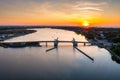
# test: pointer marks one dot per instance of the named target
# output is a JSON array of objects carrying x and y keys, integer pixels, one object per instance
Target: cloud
[
  {"x": 63, "y": 8},
  {"x": 74, "y": 9}
]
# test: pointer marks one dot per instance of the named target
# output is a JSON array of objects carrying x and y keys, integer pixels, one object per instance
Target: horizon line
[{"x": 59, "y": 26}]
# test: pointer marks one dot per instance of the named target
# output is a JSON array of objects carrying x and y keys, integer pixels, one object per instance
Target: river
[{"x": 64, "y": 63}]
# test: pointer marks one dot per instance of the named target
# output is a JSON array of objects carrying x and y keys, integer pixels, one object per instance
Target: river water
[{"x": 64, "y": 63}]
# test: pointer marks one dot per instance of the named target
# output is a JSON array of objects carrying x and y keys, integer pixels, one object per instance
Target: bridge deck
[{"x": 45, "y": 42}]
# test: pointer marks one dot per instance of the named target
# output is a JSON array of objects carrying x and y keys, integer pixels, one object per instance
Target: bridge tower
[
  {"x": 56, "y": 43},
  {"x": 75, "y": 44}
]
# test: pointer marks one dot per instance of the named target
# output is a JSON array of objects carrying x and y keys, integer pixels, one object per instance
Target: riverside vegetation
[
  {"x": 10, "y": 33},
  {"x": 112, "y": 35}
]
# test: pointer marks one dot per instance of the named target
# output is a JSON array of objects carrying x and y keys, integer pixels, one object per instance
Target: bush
[
  {"x": 116, "y": 49},
  {"x": 116, "y": 39}
]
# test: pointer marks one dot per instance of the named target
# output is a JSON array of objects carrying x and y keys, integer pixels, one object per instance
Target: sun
[{"x": 85, "y": 23}]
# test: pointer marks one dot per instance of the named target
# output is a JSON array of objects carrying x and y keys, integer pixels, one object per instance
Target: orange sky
[{"x": 64, "y": 12}]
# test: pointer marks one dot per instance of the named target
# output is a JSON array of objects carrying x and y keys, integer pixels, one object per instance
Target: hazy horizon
[{"x": 58, "y": 26}]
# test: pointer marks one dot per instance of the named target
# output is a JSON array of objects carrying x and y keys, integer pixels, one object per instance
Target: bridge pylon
[
  {"x": 75, "y": 44},
  {"x": 56, "y": 43}
]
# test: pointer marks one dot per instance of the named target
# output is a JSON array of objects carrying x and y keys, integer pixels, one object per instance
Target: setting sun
[{"x": 85, "y": 23}]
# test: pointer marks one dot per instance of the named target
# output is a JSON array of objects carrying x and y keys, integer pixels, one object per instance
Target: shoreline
[
  {"x": 102, "y": 37},
  {"x": 11, "y": 33}
]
